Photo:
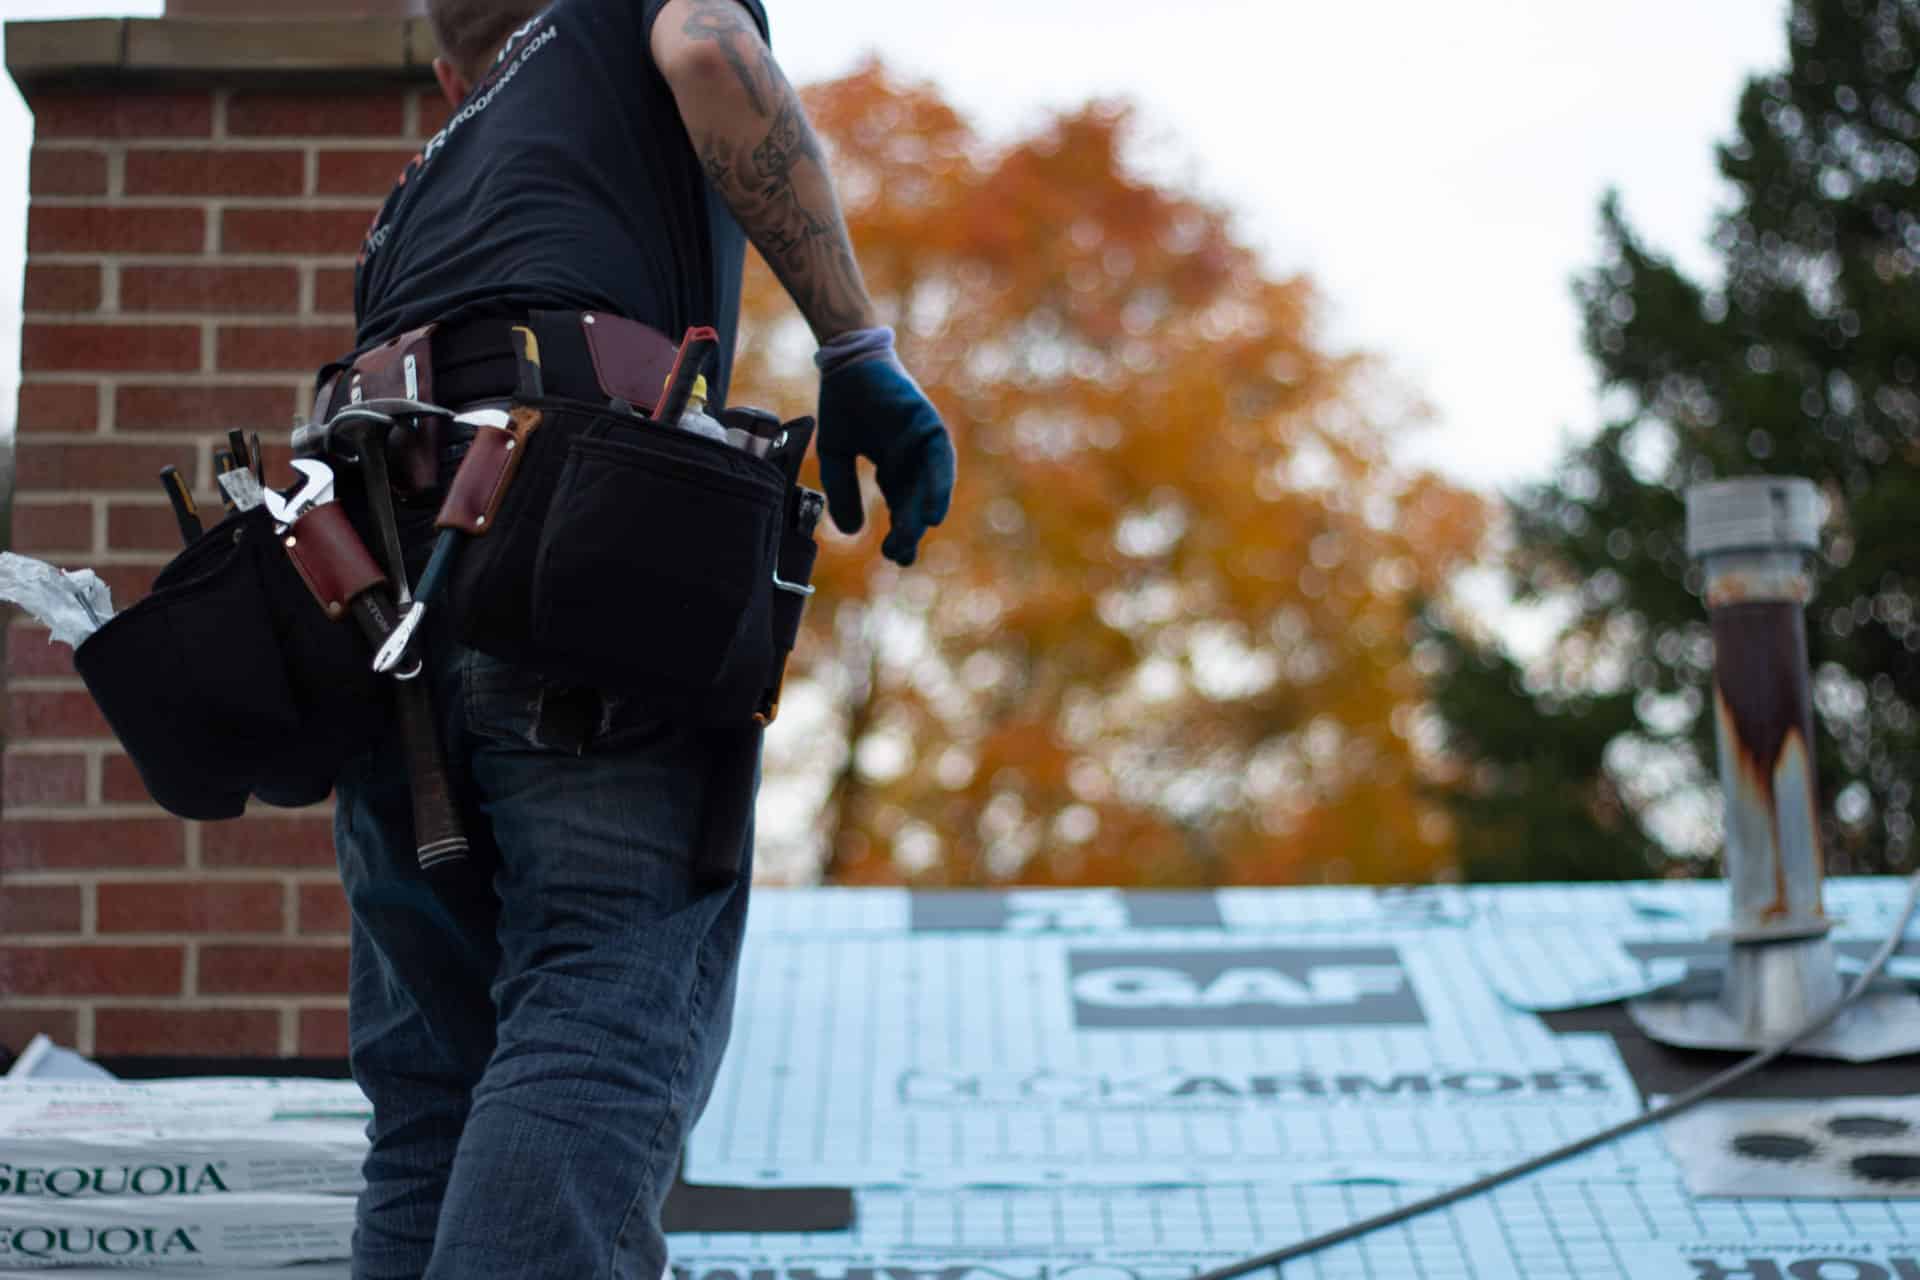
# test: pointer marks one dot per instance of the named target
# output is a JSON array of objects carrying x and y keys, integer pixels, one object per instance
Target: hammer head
[{"x": 348, "y": 434}]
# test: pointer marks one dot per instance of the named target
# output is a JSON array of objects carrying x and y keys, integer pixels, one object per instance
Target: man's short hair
[{"x": 469, "y": 31}]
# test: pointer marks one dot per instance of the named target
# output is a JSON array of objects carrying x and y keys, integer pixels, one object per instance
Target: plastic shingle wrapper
[{"x": 73, "y": 604}]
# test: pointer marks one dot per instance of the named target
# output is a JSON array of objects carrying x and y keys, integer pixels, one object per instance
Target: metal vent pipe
[{"x": 1755, "y": 539}]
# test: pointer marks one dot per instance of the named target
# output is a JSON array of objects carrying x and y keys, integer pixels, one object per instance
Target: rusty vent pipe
[{"x": 1755, "y": 539}]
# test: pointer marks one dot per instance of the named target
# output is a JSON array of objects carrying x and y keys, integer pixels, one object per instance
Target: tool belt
[
  {"x": 229, "y": 681},
  {"x": 589, "y": 356},
  {"x": 605, "y": 549}
]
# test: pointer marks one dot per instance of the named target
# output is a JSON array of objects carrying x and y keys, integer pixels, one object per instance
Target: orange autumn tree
[{"x": 1163, "y": 636}]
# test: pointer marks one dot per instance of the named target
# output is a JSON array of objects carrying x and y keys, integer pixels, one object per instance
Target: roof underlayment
[{"x": 1096, "y": 1085}]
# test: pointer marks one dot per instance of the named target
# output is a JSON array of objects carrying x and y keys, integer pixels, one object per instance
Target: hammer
[{"x": 360, "y": 432}]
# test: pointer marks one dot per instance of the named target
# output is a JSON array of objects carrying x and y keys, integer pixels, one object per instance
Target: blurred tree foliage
[
  {"x": 1164, "y": 637},
  {"x": 1804, "y": 361}
]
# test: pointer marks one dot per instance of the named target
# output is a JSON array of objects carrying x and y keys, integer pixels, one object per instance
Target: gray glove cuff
[{"x": 853, "y": 347}]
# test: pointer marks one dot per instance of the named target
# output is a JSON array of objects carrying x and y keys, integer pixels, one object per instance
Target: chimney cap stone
[{"x": 287, "y": 51}]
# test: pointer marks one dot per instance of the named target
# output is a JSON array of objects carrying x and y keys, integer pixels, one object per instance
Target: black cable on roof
[{"x": 1672, "y": 1107}]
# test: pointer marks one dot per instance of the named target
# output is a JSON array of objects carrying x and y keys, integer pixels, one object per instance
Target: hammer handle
[{"x": 437, "y": 835}]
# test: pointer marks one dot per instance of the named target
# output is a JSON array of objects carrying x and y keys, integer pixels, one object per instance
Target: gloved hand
[{"x": 870, "y": 407}]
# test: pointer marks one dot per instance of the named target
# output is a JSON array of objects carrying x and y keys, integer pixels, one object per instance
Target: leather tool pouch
[
  {"x": 229, "y": 681},
  {"x": 625, "y": 556}
]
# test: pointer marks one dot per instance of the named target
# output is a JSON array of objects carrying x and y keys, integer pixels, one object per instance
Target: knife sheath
[{"x": 472, "y": 504}]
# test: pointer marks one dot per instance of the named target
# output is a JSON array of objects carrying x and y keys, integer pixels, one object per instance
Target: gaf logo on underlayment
[{"x": 1267, "y": 987}]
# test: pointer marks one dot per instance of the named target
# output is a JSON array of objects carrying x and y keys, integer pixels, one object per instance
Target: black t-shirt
[{"x": 565, "y": 180}]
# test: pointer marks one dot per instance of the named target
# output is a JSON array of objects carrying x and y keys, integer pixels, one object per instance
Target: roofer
[{"x": 537, "y": 1052}]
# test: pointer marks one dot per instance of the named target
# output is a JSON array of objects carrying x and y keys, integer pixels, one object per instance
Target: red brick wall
[{"x": 190, "y": 260}]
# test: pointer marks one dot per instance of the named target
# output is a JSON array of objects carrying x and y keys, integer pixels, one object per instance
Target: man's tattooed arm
[
  {"x": 761, "y": 154},
  {"x": 720, "y": 22}
]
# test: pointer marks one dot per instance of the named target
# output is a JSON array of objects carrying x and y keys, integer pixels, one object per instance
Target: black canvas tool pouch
[
  {"x": 630, "y": 557},
  {"x": 229, "y": 681}
]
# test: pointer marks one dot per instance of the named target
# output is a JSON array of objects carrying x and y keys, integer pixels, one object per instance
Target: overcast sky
[{"x": 1435, "y": 168}]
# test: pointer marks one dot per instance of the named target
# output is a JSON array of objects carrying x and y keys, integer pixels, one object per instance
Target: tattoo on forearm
[
  {"x": 787, "y": 143},
  {"x": 716, "y": 157},
  {"x": 780, "y": 189}
]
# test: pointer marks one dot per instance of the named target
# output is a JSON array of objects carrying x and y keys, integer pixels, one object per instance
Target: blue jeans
[{"x": 538, "y": 1045}]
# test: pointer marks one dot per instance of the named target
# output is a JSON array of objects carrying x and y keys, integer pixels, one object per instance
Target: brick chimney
[{"x": 200, "y": 184}]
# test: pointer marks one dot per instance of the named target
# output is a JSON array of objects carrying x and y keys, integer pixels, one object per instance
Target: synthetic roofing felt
[{"x": 1096, "y": 1085}]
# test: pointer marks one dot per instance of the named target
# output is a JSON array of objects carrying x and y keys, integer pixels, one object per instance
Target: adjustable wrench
[
  {"x": 316, "y": 492},
  {"x": 371, "y": 608}
]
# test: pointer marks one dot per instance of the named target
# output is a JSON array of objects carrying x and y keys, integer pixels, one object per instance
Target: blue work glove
[{"x": 870, "y": 407}]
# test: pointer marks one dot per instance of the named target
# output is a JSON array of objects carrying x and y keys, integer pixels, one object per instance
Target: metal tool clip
[{"x": 806, "y": 518}]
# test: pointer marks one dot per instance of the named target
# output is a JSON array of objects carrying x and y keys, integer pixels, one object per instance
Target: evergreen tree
[{"x": 1804, "y": 360}]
